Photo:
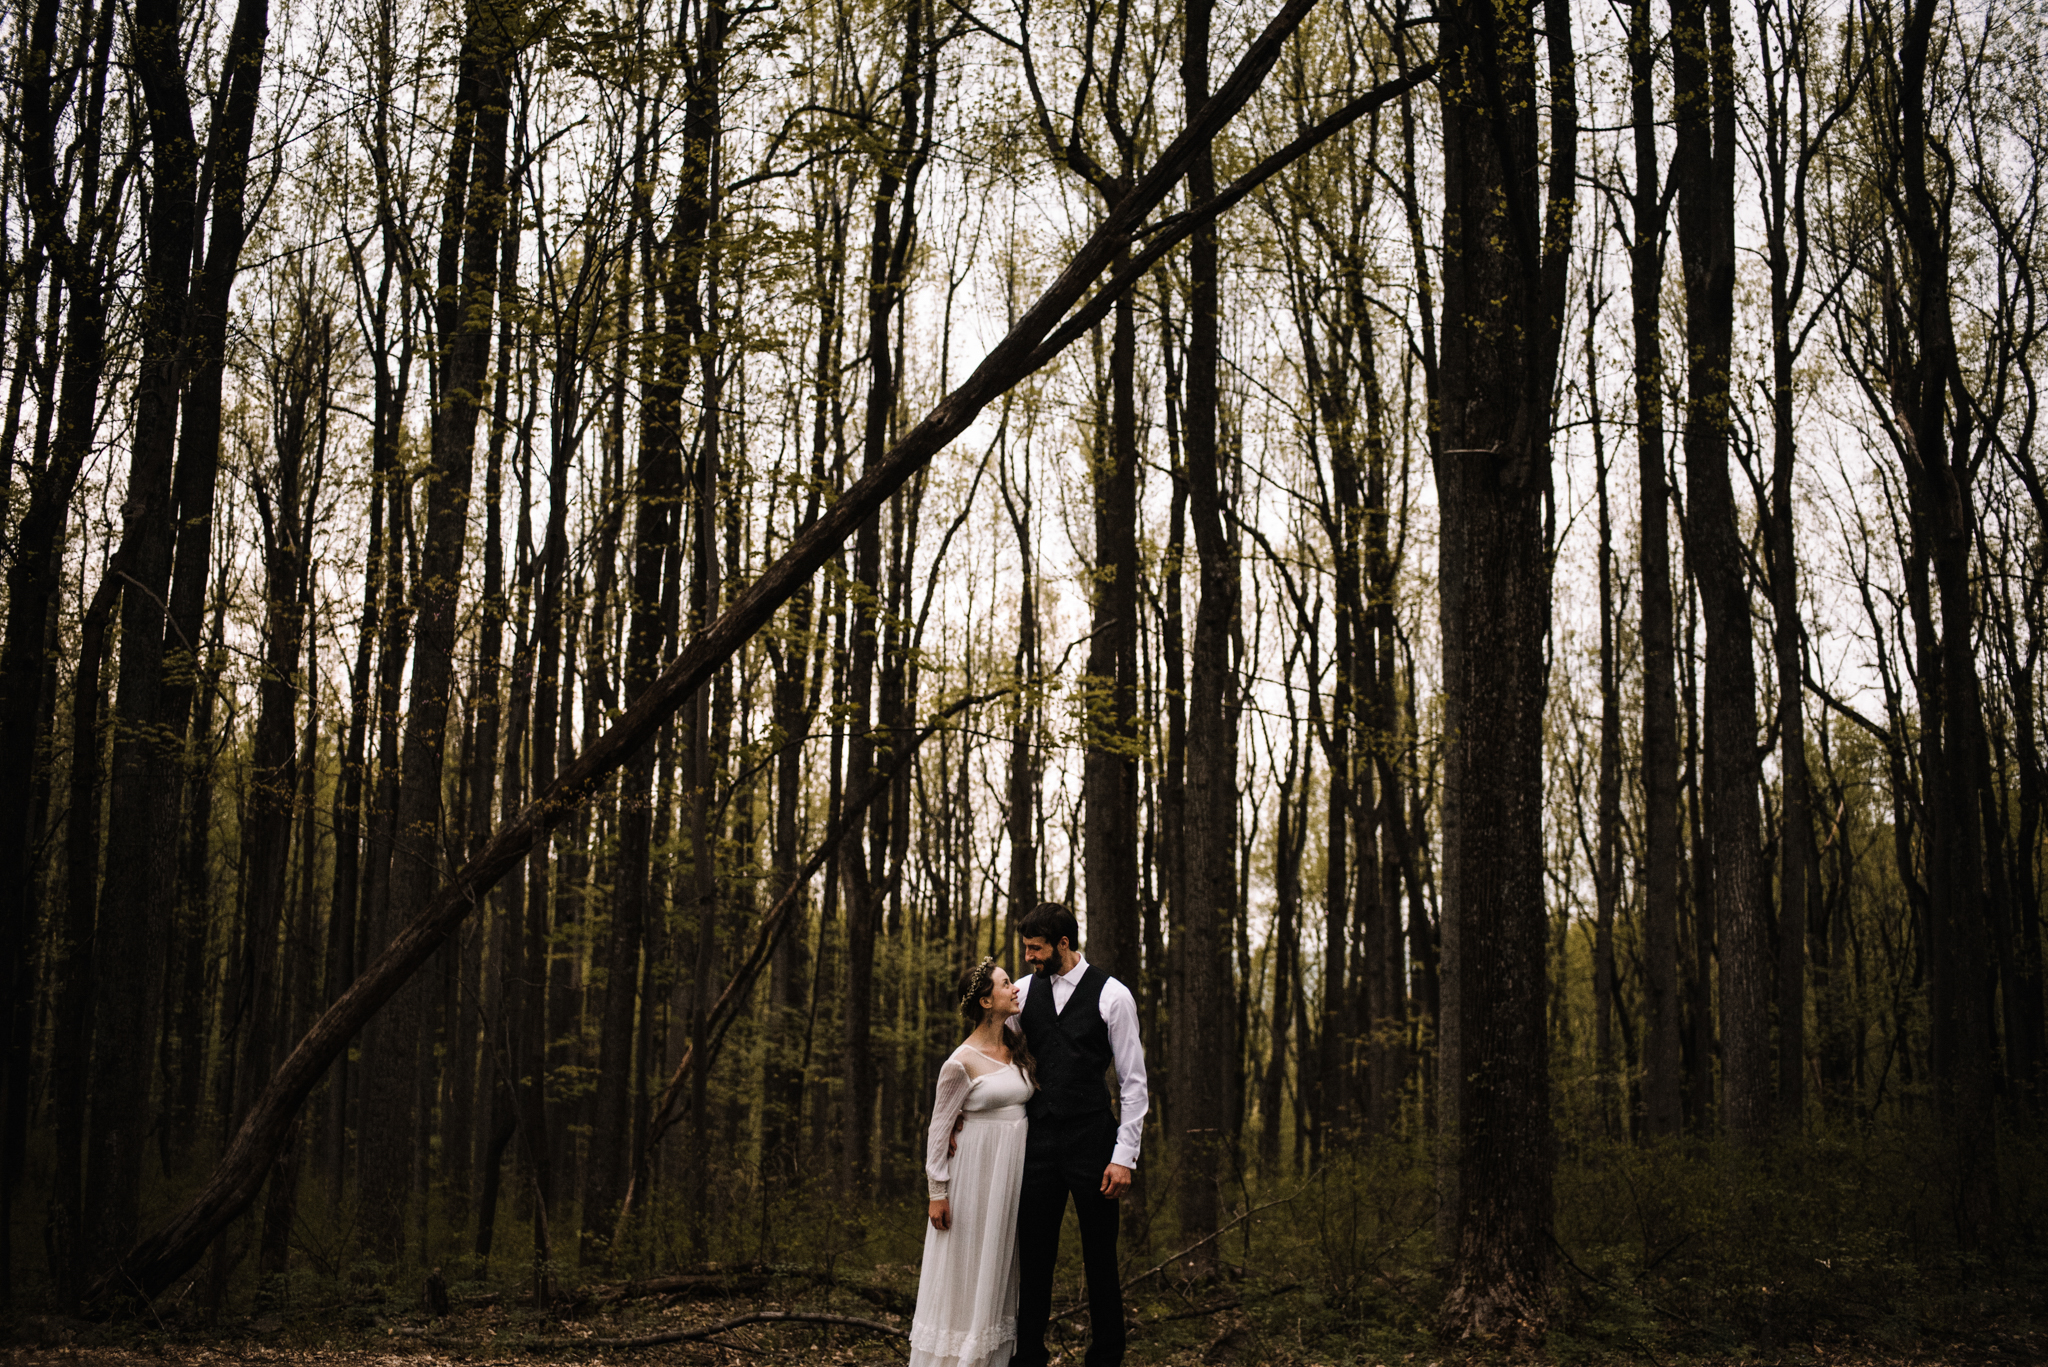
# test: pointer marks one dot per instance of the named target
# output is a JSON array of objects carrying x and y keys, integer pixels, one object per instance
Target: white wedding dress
[{"x": 967, "y": 1293}]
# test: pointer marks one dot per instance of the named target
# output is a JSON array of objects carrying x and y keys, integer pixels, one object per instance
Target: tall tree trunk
[
  {"x": 363, "y": 828},
  {"x": 658, "y": 496},
  {"x": 1022, "y": 891},
  {"x": 889, "y": 242},
  {"x": 185, "y": 1076},
  {"x": 1109, "y": 759},
  {"x": 35, "y": 555},
  {"x": 1379, "y": 815},
  {"x": 71, "y": 1027},
  {"x": 199, "y": 430},
  {"x": 284, "y": 502},
  {"x": 167, "y": 523},
  {"x": 1173, "y": 840},
  {"x": 1663, "y": 1061},
  {"x": 1205, "y": 1019},
  {"x": 1796, "y": 854},
  {"x": 274, "y": 1254},
  {"x": 1929, "y": 391},
  {"x": 130, "y": 944},
  {"x": 473, "y": 208},
  {"x": 1700, "y": 899},
  {"x": 1506, "y": 254},
  {"x": 708, "y": 733},
  {"x": 34, "y": 579},
  {"x": 1704, "y": 166},
  {"x": 514, "y": 1030},
  {"x": 799, "y": 679},
  {"x": 258, "y": 1005},
  {"x": 1607, "y": 820},
  {"x": 1109, "y": 764},
  {"x": 476, "y": 1095}
]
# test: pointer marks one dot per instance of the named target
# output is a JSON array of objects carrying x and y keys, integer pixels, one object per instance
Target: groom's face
[{"x": 1043, "y": 955}]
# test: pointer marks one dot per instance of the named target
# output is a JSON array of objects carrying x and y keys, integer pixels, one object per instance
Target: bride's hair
[{"x": 978, "y": 982}]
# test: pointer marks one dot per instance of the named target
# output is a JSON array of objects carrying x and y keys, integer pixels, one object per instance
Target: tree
[
  {"x": 473, "y": 210},
  {"x": 1704, "y": 168},
  {"x": 1649, "y": 201},
  {"x": 82, "y": 223},
  {"x": 1508, "y": 242},
  {"x": 166, "y": 514},
  {"x": 1206, "y": 1071}
]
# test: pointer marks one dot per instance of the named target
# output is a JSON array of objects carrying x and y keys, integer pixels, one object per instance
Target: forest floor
[{"x": 794, "y": 1318}]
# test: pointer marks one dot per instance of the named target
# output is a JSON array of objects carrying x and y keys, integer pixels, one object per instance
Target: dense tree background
[{"x": 1519, "y": 638}]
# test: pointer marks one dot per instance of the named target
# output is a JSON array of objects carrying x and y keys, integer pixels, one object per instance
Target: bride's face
[{"x": 1002, "y": 995}]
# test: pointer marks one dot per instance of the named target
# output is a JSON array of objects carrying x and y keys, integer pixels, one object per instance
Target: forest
[{"x": 568, "y": 567}]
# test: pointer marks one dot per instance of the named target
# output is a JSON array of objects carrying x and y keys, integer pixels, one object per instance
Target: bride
[{"x": 967, "y": 1293}]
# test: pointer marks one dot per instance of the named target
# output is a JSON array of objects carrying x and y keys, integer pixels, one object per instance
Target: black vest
[{"x": 1071, "y": 1048}]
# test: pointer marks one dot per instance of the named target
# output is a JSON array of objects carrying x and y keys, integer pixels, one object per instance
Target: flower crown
[{"x": 981, "y": 980}]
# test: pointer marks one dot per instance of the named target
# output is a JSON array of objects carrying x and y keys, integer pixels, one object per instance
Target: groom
[{"x": 1077, "y": 1020}]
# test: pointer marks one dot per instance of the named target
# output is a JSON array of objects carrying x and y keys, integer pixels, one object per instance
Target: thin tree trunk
[
  {"x": 1607, "y": 821},
  {"x": 71, "y": 1033},
  {"x": 1664, "y": 1062},
  {"x": 1290, "y": 837},
  {"x": 1173, "y": 834},
  {"x": 1795, "y": 820},
  {"x": 1700, "y": 989},
  {"x": 1022, "y": 888}
]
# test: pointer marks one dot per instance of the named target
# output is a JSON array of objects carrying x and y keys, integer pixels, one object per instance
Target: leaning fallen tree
[{"x": 1052, "y": 323}]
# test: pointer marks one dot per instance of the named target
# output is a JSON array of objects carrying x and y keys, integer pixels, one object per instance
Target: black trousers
[{"x": 1064, "y": 1158}]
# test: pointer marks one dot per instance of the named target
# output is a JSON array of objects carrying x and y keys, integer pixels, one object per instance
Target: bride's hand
[{"x": 942, "y": 1215}]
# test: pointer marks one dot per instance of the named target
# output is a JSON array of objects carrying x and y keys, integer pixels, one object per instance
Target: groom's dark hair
[{"x": 1048, "y": 921}]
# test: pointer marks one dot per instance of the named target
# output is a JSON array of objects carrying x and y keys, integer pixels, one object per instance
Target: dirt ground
[
  {"x": 752, "y": 1320},
  {"x": 188, "y": 1355}
]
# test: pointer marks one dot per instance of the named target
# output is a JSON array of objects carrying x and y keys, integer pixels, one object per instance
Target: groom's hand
[
  {"x": 1116, "y": 1180},
  {"x": 953, "y": 1139}
]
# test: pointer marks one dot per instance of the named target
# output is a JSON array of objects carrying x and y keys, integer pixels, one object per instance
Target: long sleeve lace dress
[{"x": 967, "y": 1293}]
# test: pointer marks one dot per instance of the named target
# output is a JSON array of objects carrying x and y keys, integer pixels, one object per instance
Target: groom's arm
[{"x": 1120, "y": 1016}]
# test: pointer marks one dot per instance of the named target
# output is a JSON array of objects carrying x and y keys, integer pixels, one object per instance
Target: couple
[{"x": 1021, "y": 1122}]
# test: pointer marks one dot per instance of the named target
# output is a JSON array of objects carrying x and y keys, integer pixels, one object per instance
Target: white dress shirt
[{"x": 1120, "y": 1014}]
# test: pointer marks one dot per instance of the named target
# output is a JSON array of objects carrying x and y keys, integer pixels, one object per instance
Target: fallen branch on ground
[
  {"x": 686, "y": 1283},
  {"x": 1203, "y": 1311},
  {"x": 1246, "y": 1215},
  {"x": 754, "y": 1317},
  {"x": 702, "y": 1333},
  {"x": 697, "y": 1285}
]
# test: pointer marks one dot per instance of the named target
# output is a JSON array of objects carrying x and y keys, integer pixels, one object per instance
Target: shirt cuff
[
  {"x": 1124, "y": 1156},
  {"x": 936, "y": 1191}
]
